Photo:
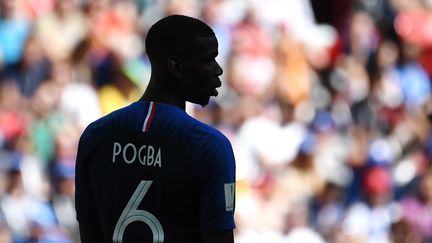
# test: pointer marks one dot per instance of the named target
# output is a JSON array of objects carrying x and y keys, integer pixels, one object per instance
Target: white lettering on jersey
[
  {"x": 229, "y": 196},
  {"x": 146, "y": 154},
  {"x": 116, "y": 151},
  {"x": 132, "y": 159}
]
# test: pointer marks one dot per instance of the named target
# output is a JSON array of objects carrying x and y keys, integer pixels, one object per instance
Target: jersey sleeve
[
  {"x": 217, "y": 192},
  {"x": 84, "y": 204}
]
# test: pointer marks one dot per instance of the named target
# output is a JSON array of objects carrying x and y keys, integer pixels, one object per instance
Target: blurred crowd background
[{"x": 326, "y": 104}]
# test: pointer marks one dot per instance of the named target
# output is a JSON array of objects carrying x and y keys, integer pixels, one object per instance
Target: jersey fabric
[{"x": 149, "y": 172}]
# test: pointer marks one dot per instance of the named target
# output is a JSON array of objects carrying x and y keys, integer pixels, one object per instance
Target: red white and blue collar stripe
[{"x": 149, "y": 117}]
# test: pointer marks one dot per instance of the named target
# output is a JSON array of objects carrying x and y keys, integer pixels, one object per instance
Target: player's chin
[{"x": 203, "y": 101}]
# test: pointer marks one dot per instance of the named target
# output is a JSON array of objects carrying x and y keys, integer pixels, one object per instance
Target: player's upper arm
[
  {"x": 84, "y": 203},
  {"x": 217, "y": 186},
  {"x": 218, "y": 237}
]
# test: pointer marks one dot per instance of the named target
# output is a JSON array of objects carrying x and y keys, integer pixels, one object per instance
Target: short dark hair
[{"x": 173, "y": 35}]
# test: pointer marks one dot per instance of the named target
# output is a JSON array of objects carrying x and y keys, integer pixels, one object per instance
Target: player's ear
[{"x": 173, "y": 65}]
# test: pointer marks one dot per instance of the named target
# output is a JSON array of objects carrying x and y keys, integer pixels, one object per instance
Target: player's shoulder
[
  {"x": 194, "y": 126},
  {"x": 115, "y": 118},
  {"x": 210, "y": 131},
  {"x": 180, "y": 125},
  {"x": 96, "y": 127},
  {"x": 207, "y": 136},
  {"x": 99, "y": 127}
]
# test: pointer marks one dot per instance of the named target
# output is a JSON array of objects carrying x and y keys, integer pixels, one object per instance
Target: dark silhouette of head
[{"x": 182, "y": 52}]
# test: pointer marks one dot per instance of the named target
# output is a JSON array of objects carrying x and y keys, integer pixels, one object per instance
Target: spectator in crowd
[
  {"x": 417, "y": 208},
  {"x": 14, "y": 30},
  {"x": 370, "y": 219}
]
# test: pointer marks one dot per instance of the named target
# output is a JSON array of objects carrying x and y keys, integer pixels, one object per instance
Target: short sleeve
[
  {"x": 217, "y": 192},
  {"x": 84, "y": 203}
]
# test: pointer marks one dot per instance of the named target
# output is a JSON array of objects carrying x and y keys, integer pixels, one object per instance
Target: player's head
[{"x": 182, "y": 52}]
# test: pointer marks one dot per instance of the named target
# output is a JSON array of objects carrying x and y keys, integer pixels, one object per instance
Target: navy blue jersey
[{"x": 151, "y": 173}]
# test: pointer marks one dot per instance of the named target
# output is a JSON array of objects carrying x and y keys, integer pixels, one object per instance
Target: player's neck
[{"x": 158, "y": 94}]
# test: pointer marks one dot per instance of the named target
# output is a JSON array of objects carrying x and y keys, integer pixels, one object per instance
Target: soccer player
[{"x": 149, "y": 172}]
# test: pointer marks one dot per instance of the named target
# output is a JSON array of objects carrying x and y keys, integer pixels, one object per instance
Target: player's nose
[{"x": 218, "y": 70}]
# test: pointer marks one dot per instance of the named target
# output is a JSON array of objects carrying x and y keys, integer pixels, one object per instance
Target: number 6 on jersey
[{"x": 131, "y": 214}]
